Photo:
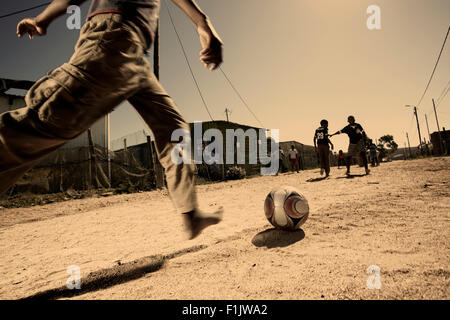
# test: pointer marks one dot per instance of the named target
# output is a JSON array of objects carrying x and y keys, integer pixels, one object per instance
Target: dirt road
[{"x": 397, "y": 219}]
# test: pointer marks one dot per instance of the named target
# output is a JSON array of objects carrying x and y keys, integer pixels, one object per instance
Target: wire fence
[
  {"x": 129, "y": 140},
  {"x": 131, "y": 168},
  {"x": 133, "y": 165},
  {"x": 87, "y": 168}
]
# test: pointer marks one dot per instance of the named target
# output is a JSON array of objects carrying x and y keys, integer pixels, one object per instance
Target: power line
[
  {"x": 435, "y": 66},
  {"x": 237, "y": 92},
  {"x": 443, "y": 94},
  {"x": 239, "y": 95},
  {"x": 187, "y": 61},
  {"x": 24, "y": 10},
  {"x": 440, "y": 98}
]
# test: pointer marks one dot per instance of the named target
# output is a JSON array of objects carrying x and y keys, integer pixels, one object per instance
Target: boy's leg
[
  {"x": 68, "y": 100},
  {"x": 348, "y": 157},
  {"x": 364, "y": 160},
  {"x": 324, "y": 152},
  {"x": 52, "y": 117},
  {"x": 321, "y": 158},
  {"x": 293, "y": 164},
  {"x": 348, "y": 161},
  {"x": 363, "y": 155},
  {"x": 354, "y": 150},
  {"x": 162, "y": 116},
  {"x": 327, "y": 161}
]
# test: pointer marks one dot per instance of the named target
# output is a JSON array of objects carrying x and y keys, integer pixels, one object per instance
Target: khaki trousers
[
  {"x": 107, "y": 67},
  {"x": 324, "y": 157}
]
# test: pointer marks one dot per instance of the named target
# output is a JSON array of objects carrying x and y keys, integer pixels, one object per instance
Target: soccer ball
[{"x": 286, "y": 208}]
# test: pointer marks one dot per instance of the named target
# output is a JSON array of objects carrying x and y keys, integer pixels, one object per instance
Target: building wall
[
  {"x": 438, "y": 144},
  {"x": 222, "y": 126}
]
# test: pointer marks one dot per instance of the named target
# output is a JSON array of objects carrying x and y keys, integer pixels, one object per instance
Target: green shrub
[{"x": 235, "y": 173}]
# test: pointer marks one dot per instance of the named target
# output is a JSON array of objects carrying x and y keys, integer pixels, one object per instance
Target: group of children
[{"x": 357, "y": 146}]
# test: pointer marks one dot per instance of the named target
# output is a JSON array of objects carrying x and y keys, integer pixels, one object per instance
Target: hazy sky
[{"x": 294, "y": 61}]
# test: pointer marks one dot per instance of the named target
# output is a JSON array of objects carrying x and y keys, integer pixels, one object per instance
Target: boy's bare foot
[{"x": 197, "y": 220}]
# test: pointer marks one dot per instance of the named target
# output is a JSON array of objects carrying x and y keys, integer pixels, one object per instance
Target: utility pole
[
  {"x": 409, "y": 146},
  {"x": 439, "y": 129},
  {"x": 418, "y": 127},
  {"x": 227, "y": 111},
  {"x": 428, "y": 128},
  {"x": 418, "y": 130}
]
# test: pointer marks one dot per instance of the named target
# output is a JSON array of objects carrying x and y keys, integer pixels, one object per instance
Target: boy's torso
[
  {"x": 144, "y": 13},
  {"x": 293, "y": 154},
  {"x": 354, "y": 132},
  {"x": 322, "y": 135}
]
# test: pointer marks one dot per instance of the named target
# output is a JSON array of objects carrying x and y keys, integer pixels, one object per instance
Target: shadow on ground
[
  {"x": 105, "y": 278},
  {"x": 351, "y": 176},
  {"x": 316, "y": 179},
  {"x": 273, "y": 238}
]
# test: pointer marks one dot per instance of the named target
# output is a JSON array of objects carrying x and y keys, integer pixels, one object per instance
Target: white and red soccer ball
[{"x": 286, "y": 208}]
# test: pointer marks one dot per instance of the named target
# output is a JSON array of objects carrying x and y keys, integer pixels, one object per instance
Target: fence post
[
  {"x": 159, "y": 170},
  {"x": 125, "y": 152},
  {"x": 93, "y": 157},
  {"x": 61, "y": 186},
  {"x": 151, "y": 159}
]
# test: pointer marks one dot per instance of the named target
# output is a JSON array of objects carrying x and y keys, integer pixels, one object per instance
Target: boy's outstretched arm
[
  {"x": 39, "y": 25},
  {"x": 331, "y": 143},
  {"x": 337, "y": 132},
  {"x": 211, "y": 54}
]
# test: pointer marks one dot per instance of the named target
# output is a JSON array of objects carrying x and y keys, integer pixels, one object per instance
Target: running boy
[
  {"x": 357, "y": 146},
  {"x": 322, "y": 146},
  {"x": 341, "y": 159},
  {"x": 107, "y": 67},
  {"x": 293, "y": 158}
]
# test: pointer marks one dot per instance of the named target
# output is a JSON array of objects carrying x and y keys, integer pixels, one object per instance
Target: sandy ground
[{"x": 397, "y": 218}]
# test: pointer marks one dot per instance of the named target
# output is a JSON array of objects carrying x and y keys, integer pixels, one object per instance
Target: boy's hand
[
  {"x": 211, "y": 55},
  {"x": 30, "y": 26}
]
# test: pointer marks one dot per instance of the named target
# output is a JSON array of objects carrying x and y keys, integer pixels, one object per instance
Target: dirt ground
[{"x": 397, "y": 219}]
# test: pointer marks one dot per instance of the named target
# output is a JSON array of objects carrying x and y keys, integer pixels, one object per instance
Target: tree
[{"x": 387, "y": 141}]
